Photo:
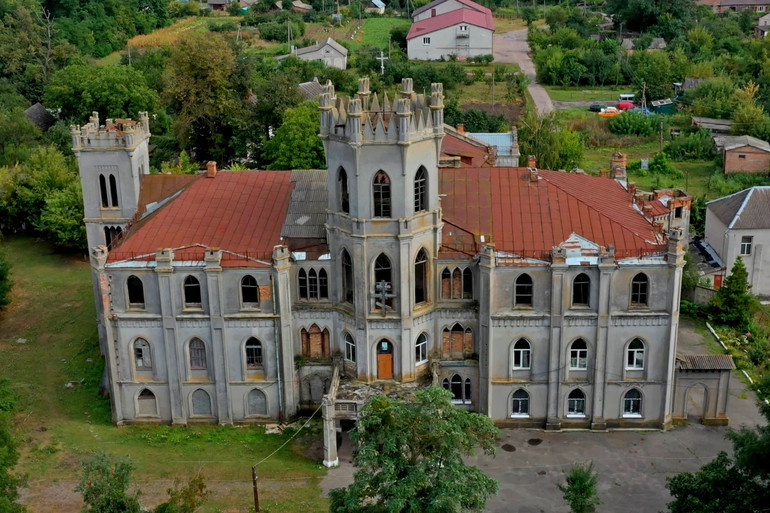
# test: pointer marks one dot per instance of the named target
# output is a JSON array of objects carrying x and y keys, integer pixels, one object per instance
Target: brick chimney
[
  {"x": 461, "y": 128},
  {"x": 533, "y": 174},
  {"x": 632, "y": 188},
  {"x": 532, "y": 161},
  {"x": 211, "y": 169}
]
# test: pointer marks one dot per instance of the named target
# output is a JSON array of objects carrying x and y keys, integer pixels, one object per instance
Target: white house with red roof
[
  {"x": 450, "y": 27},
  {"x": 539, "y": 298}
]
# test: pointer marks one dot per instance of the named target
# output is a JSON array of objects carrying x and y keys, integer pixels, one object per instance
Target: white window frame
[
  {"x": 747, "y": 241},
  {"x": 578, "y": 355},
  {"x": 573, "y": 412},
  {"x": 628, "y": 413},
  {"x": 519, "y": 415},
  {"x": 350, "y": 348},
  {"x": 520, "y": 355},
  {"x": 636, "y": 353},
  {"x": 426, "y": 41},
  {"x": 421, "y": 350}
]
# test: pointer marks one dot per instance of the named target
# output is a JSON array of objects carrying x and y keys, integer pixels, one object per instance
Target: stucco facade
[{"x": 463, "y": 40}]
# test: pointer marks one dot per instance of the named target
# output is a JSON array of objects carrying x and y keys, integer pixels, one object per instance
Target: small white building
[
  {"x": 330, "y": 52},
  {"x": 739, "y": 225},
  {"x": 375, "y": 7},
  {"x": 450, "y": 27}
]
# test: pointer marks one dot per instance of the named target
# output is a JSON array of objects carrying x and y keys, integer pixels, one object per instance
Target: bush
[
  {"x": 690, "y": 308},
  {"x": 697, "y": 146},
  {"x": 633, "y": 123}
]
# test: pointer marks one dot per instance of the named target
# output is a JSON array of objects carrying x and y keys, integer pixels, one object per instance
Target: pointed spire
[
  {"x": 374, "y": 105},
  {"x": 380, "y": 132},
  {"x": 385, "y": 102},
  {"x": 368, "y": 132}
]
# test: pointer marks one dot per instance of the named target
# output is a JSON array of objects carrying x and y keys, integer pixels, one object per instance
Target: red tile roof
[
  {"x": 530, "y": 218},
  {"x": 449, "y": 19},
  {"x": 455, "y": 144},
  {"x": 241, "y": 212}
]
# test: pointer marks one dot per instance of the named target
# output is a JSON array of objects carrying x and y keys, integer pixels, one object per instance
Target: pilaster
[
  {"x": 556, "y": 342},
  {"x": 212, "y": 260},
  {"x": 676, "y": 249},
  {"x": 285, "y": 343},
  {"x": 486, "y": 289},
  {"x": 607, "y": 267}
]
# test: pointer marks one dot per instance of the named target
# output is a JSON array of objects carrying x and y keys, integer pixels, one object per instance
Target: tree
[
  {"x": 104, "y": 483},
  {"x": 5, "y": 287},
  {"x": 46, "y": 171},
  {"x": 409, "y": 457},
  {"x": 529, "y": 15},
  {"x": 580, "y": 490},
  {"x": 187, "y": 498},
  {"x": 112, "y": 91},
  {"x": 9, "y": 484},
  {"x": 62, "y": 217},
  {"x": 733, "y": 304},
  {"x": 296, "y": 144},
  {"x": 554, "y": 147}
]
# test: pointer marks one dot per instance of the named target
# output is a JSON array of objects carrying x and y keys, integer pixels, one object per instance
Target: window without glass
[
  {"x": 576, "y": 403},
  {"x": 103, "y": 191},
  {"x": 426, "y": 40},
  {"x": 639, "y": 290},
  {"x": 632, "y": 403},
  {"x": 746, "y": 242},
  {"x": 635, "y": 355},
  {"x": 421, "y": 349},
  {"x": 520, "y": 404},
  {"x": 467, "y": 284},
  {"x": 347, "y": 276},
  {"x": 249, "y": 291},
  {"x": 381, "y": 189},
  {"x": 142, "y": 356},
  {"x": 113, "y": 191},
  {"x": 461, "y": 391},
  {"x": 523, "y": 291},
  {"x": 578, "y": 355},
  {"x": 111, "y": 234},
  {"x": 135, "y": 292},
  {"x": 253, "y": 353},
  {"x": 197, "y": 354},
  {"x": 192, "y": 292},
  {"x": 342, "y": 178},
  {"x": 302, "y": 278},
  {"x": 521, "y": 354},
  {"x": 312, "y": 284},
  {"x": 350, "y": 348},
  {"x": 323, "y": 284},
  {"x": 581, "y": 289},
  {"x": 421, "y": 190},
  {"x": 421, "y": 277}
]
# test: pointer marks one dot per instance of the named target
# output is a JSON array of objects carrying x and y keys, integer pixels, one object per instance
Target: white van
[{"x": 627, "y": 97}]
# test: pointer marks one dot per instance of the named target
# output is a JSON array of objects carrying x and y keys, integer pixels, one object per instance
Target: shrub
[
  {"x": 697, "y": 146},
  {"x": 633, "y": 123},
  {"x": 689, "y": 308}
]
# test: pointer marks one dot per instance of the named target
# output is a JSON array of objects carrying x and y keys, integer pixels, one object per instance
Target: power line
[{"x": 289, "y": 440}]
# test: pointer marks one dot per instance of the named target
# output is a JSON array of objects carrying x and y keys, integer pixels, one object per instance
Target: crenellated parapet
[
  {"x": 366, "y": 118},
  {"x": 114, "y": 134}
]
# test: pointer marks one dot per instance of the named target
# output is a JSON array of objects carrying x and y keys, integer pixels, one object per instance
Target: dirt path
[{"x": 513, "y": 47}]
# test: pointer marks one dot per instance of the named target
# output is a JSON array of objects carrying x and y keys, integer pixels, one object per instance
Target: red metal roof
[
  {"x": 451, "y": 18},
  {"x": 530, "y": 218},
  {"x": 468, "y": 3},
  {"x": 456, "y": 145},
  {"x": 241, "y": 212}
]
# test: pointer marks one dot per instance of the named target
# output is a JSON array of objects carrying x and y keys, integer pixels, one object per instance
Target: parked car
[
  {"x": 625, "y": 105},
  {"x": 627, "y": 97},
  {"x": 610, "y": 112},
  {"x": 596, "y": 107}
]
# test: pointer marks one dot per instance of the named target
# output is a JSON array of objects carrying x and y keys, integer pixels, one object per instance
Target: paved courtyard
[{"x": 632, "y": 465}]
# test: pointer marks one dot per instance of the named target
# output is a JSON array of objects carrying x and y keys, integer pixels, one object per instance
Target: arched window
[
  {"x": 350, "y": 348},
  {"x": 323, "y": 284},
  {"x": 249, "y": 292},
  {"x": 111, "y": 234},
  {"x": 639, "y": 289},
  {"x": 383, "y": 278},
  {"x": 312, "y": 284},
  {"x": 347, "y": 276},
  {"x": 146, "y": 403},
  {"x": 420, "y": 190},
  {"x": 135, "y": 292},
  {"x": 381, "y": 189},
  {"x": 576, "y": 403},
  {"x": 522, "y": 353},
  {"x": 520, "y": 404},
  {"x": 192, "y": 292},
  {"x": 457, "y": 387},
  {"x": 257, "y": 403},
  {"x": 581, "y": 290},
  {"x": 142, "y": 356},
  {"x": 113, "y": 191},
  {"x": 635, "y": 355},
  {"x": 342, "y": 179},
  {"x": 632, "y": 403},
  {"x": 457, "y": 284},
  {"x": 578, "y": 355},
  {"x": 197, "y": 354},
  {"x": 315, "y": 343},
  {"x": 467, "y": 284},
  {"x": 421, "y": 349},
  {"x": 302, "y": 278},
  {"x": 421, "y": 277},
  {"x": 201, "y": 403},
  {"x": 446, "y": 284},
  {"x": 523, "y": 289},
  {"x": 253, "y": 354},
  {"x": 103, "y": 192}
]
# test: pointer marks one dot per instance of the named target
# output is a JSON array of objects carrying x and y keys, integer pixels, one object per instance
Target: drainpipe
[{"x": 277, "y": 353}]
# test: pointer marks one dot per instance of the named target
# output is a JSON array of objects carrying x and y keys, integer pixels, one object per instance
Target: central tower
[{"x": 383, "y": 216}]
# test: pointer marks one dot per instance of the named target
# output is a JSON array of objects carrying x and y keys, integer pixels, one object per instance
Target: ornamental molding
[
  {"x": 249, "y": 323},
  {"x": 637, "y": 320},
  {"x": 570, "y": 321},
  {"x": 139, "y": 323},
  {"x": 521, "y": 322}
]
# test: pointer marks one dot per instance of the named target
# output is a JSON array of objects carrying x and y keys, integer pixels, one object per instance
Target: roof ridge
[
  {"x": 602, "y": 214},
  {"x": 742, "y": 191},
  {"x": 737, "y": 214}
]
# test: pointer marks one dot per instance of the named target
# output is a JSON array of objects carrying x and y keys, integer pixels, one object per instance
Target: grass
[
  {"x": 505, "y": 24},
  {"x": 376, "y": 32},
  {"x": 586, "y": 93},
  {"x": 48, "y": 338}
]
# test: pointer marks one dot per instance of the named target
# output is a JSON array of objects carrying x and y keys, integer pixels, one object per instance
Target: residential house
[
  {"x": 300, "y": 6},
  {"x": 763, "y": 26},
  {"x": 743, "y": 154},
  {"x": 218, "y": 5},
  {"x": 375, "y": 7},
  {"x": 437, "y": 7},
  {"x": 721, "y": 6},
  {"x": 464, "y": 32},
  {"x": 739, "y": 225},
  {"x": 330, "y": 52}
]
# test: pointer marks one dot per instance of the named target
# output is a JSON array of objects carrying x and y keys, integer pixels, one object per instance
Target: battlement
[
  {"x": 114, "y": 134},
  {"x": 365, "y": 118}
]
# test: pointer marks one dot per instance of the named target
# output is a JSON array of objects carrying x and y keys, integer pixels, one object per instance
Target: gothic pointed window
[
  {"x": 383, "y": 278},
  {"x": 323, "y": 284},
  {"x": 381, "y": 189},
  {"x": 420, "y": 190},
  {"x": 312, "y": 284},
  {"x": 342, "y": 178},
  {"x": 421, "y": 277},
  {"x": 103, "y": 191},
  {"x": 302, "y": 278},
  {"x": 347, "y": 277},
  {"x": 113, "y": 191}
]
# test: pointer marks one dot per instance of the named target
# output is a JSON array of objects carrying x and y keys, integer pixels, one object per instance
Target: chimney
[
  {"x": 632, "y": 188},
  {"x": 532, "y": 174},
  {"x": 603, "y": 173},
  {"x": 532, "y": 162},
  {"x": 461, "y": 128},
  {"x": 211, "y": 169}
]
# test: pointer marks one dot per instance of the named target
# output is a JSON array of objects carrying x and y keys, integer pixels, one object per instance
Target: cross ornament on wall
[{"x": 382, "y": 294}]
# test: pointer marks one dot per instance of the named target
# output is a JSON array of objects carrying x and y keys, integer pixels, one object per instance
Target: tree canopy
[
  {"x": 733, "y": 304},
  {"x": 296, "y": 144},
  {"x": 409, "y": 457}
]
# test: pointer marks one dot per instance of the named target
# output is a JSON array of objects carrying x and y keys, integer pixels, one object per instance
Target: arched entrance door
[{"x": 384, "y": 360}]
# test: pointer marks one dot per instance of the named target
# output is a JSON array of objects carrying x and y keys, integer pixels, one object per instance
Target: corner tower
[{"x": 111, "y": 159}]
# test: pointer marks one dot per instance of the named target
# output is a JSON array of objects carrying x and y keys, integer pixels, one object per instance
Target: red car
[{"x": 625, "y": 105}]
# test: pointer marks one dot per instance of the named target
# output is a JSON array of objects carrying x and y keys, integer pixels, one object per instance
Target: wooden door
[{"x": 384, "y": 360}]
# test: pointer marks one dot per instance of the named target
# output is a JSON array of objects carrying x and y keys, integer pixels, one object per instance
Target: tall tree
[
  {"x": 733, "y": 304},
  {"x": 409, "y": 457},
  {"x": 554, "y": 146},
  {"x": 296, "y": 144}
]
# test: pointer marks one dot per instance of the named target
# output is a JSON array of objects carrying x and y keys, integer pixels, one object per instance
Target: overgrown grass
[
  {"x": 586, "y": 93},
  {"x": 376, "y": 32},
  {"x": 48, "y": 339}
]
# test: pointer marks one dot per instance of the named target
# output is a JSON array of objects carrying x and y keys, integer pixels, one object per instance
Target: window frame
[
  {"x": 382, "y": 195},
  {"x": 520, "y": 293},
  {"x": 249, "y": 305},
  {"x": 188, "y": 285},
  {"x": 421, "y": 349},
  {"x": 426, "y": 41},
  {"x": 640, "y": 290},
  {"x": 381, "y": 270},
  {"x": 464, "y": 387},
  {"x": 573, "y": 402},
  {"x": 348, "y": 290},
  {"x": 578, "y": 355},
  {"x": 522, "y": 354},
  {"x": 135, "y": 348},
  {"x": 516, "y": 412},
  {"x": 746, "y": 246},
  {"x": 421, "y": 295},
  {"x": 344, "y": 190},
  {"x": 114, "y": 200},
  {"x": 632, "y": 406},
  {"x": 350, "y": 348},
  {"x": 631, "y": 364},
  {"x": 259, "y": 354},
  {"x": 199, "y": 356},
  {"x": 421, "y": 190},
  {"x": 579, "y": 289}
]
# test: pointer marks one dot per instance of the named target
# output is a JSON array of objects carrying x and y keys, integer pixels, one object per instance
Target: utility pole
[
  {"x": 661, "y": 136},
  {"x": 493, "y": 90},
  {"x": 382, "y": 60},
  {"x": 256, "y": 489}
]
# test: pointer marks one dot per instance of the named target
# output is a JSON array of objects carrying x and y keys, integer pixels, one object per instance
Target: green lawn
[
  {"x": 48, "y": 339},
  {"x": 587, "y": 93},
  {"x": 376, "y": 31}
]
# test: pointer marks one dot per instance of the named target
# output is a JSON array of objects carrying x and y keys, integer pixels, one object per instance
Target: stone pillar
[
  {"x": 607, "y": 267},
  {"x": 330, "y": 433},
  {"x": 285, "y": 343},
  {"x": 486, "y": 289},
  {"x": 558, "y": 268},
  {"x": 676, "y": 249},
  {"x": 212, "y": 259}
]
